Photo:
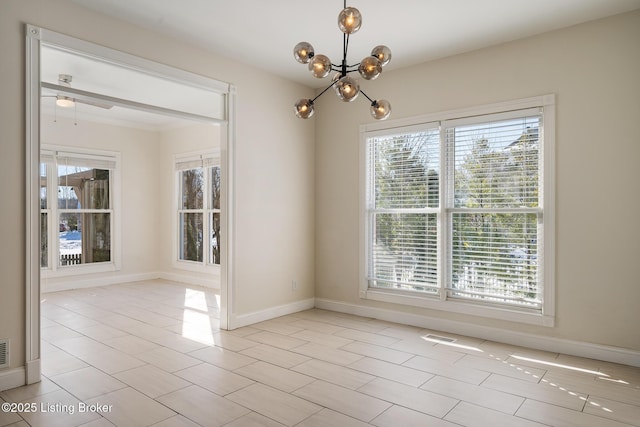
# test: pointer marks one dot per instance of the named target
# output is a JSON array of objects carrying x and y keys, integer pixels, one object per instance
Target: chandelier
[{"x": 346, "y": 87}]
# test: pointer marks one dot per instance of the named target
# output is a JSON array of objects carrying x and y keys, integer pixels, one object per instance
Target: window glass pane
[
  {"x": 191, "y": 236},
  {"x": 404, "y": 252},
  {"x": 44, "y": 240},
  {"x": 495, "y": 258},
  {"x": 191, "y": 188},
  {"x": 496, "y": 163},
  {"x": 43, "y": 186},
  {"x": 407, "y": 170},
  {"x": 214, "y": 221},
  {"x": 84, "y": 238},
  {"x": 82, "y": 187},
  {"x": 214, "y": 179}
]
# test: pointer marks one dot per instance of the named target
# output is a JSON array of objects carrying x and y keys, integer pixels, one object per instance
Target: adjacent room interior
[{"x": 101, "y": 165}]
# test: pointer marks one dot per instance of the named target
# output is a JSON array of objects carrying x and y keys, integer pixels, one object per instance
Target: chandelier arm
[
  {"x": 322, "y": 93},
  {"x": 366, "y": 96}
]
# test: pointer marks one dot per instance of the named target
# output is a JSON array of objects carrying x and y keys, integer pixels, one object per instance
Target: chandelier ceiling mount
[{"x": 345, "y": 87}]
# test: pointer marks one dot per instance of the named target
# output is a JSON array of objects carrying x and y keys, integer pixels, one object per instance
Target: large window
[
  {"x": 198, "y": 205},
  {"x": 77, "y": 210},
  {"x": 455, "y": 216}
]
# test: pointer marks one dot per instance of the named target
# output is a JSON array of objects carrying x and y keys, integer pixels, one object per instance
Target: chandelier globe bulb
[
  {"x": 383, "y": 53},
  {"x": 347, "y": 89},
  {"x": 320, "y": 66},
  {"x": 304, "y": 108},
  {"x": 380, "y": 109},
  {"x": 370, "y": 68},
  {"x": 303, "y": 52},
  {"x": 349, "y": 20}
]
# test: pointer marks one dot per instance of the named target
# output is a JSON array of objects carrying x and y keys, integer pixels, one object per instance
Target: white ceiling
[
  {"x": 90, "y": 74},
  {"x": 263, "y": 33}
]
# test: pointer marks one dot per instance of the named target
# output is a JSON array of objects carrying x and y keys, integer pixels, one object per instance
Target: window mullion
[
  {"x": 448, "y": 174},
  {"x": 206, "y": 238},
  {"x": 54, "y": 232}
]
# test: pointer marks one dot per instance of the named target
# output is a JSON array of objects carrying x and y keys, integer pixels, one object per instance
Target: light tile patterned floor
[{"x": 153, "y": 351}]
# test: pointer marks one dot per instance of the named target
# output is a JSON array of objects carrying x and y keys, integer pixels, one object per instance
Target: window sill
[{"x": 511, "y": 315}]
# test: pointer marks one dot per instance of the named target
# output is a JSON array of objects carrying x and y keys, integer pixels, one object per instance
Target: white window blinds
[
  {"x": 495, "y": 212},
  {"x": 197, "y": 161},
  {"x": 403, "y": 210},
  {"x": 86, "y": 160}
]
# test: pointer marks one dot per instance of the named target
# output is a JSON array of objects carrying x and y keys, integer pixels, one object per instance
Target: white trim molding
[
  {"x": 503, "y": 313},
  {"x": 552, "y": 344},
  {"x": 33, "y": 371},
  {"x": 12, "y": 378},
  {"x": 106, "y": 280},
  {"x": 238, "y": 321},
  {"x": 185, "y": 278},
  {"x": 95, "y": 281}
]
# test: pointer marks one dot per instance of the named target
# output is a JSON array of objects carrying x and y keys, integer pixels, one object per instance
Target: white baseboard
[
  {"x": 105, "y": 279},
  {"x": 12, "y": 378},
  {"x": 33, "y": 371},
  {"x": 185, "y": 278},
  {"x": 100, "y": 279},
  {"x": 238, "y": 321},
  {"x": 556, "y": 345}
]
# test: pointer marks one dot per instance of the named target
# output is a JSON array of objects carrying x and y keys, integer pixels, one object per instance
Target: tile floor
[{"x": 152, "y": 354}]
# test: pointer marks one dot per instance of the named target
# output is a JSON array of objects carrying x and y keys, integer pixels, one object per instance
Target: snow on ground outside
[{"x": 70, "y": 242}]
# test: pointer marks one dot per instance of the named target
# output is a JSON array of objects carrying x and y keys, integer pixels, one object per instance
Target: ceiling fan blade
[
  {"x": 82, "y": 101},
  {"x": 95, "y": 104}
]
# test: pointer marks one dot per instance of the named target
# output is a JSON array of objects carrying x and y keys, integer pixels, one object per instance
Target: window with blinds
[
  {"x": 403, "y": 205},
  {"x": 454, "y": 211},
  {"x": 494, "y": 208}
]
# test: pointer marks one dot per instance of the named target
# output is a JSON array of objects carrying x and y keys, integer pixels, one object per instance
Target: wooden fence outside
[{"x": 70, "y": 259}]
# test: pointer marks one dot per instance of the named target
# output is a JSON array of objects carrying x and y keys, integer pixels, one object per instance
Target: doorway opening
[{"x": 128, "y": 174}]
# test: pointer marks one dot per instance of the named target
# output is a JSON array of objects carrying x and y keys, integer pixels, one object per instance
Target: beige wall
[
  {"x": 594, "y": 70},
  {"x": 274, "y": 160}
]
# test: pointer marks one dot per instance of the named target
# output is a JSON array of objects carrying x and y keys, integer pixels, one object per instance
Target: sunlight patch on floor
[
  {"x": 196, "y": 323},
  {"x": 558, "y": 365}
]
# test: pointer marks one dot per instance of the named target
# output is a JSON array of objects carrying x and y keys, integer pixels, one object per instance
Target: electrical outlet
[{"x": 294, "y": 285}]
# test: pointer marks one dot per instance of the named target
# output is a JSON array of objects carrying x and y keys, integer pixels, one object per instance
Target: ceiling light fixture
[
  {"x": 65, "y": 101},
  {"x": 346, "y": 88}
]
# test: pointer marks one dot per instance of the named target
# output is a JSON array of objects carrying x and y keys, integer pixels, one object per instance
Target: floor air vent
[
  {"x": 432, "y": 337},
  {"x": 4, "y": 353}
]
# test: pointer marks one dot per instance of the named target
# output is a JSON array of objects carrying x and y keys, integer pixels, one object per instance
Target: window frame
[
  {"x": 546, "y": 315},
  {"x": 207, "y": 160},
  {"x": 53, "y": 268}
]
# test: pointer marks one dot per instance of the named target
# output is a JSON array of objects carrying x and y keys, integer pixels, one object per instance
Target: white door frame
[{"x": 35, "y": 38}]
